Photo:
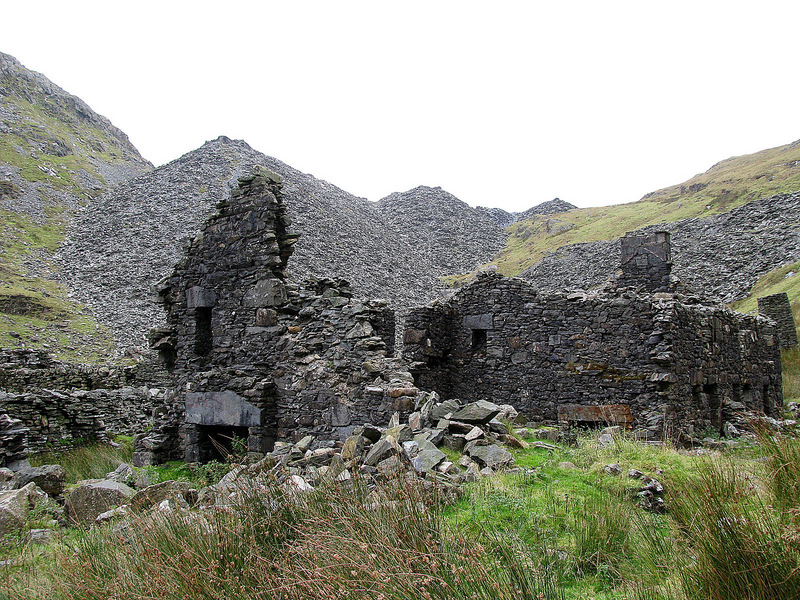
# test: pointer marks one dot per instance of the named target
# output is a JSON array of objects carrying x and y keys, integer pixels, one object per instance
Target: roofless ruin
[{"x": 248, "y": 354}]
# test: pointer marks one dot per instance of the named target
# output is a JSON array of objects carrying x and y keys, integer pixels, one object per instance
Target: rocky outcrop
[{"x": 720, "y": 257}]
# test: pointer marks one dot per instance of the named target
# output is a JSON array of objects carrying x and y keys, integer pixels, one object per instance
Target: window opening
[
  {"x": 478, "y": 339},
  {"x": 203, "y": 336}
]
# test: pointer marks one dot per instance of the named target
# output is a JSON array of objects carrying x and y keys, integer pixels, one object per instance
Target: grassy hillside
[
  {"x": 726, "y": 185},
  {"x": 56, "y": 155}
]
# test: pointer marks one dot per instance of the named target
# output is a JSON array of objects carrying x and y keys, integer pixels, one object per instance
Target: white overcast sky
[{"x": 504, "y": 103}]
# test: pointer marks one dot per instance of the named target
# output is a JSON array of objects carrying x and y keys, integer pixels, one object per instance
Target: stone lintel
[
  {"x": 484, "y": 321},
  {"x": 221, "y": 408},
  {"x": 199, "y": 297}
]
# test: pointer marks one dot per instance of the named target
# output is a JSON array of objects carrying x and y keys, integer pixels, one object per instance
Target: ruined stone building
[
  {"x": 628, "y": 356},
  {"x": 247, "y": 355},
  {"x": 258, "y": 358}
]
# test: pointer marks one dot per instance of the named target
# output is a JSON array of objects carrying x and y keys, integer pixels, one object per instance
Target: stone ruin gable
[
  {"x": 263, "y": 359},
  {"x": 646, "y": 260},
  {"x": 60, "y": 402},
  {"x": 778, "y": 308},
  {"x": 636, "y": 360}
]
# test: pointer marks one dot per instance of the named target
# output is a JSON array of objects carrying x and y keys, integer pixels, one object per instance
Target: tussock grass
[
  {"x": 732, "y": 530},
  {"x": 87, "y": 461},
  {"x": 331, "y": 543}
]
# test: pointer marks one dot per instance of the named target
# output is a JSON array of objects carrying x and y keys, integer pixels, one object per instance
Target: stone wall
[
  {"x": 60, "y": 402},
  {"x": 501, "y": 340},
  {"x": 778, "y": 308},
  {"x": 23, "y": 370},
  {"x": 55, "y": 417},
  {"x": 257, "y": 357},
  {"x": 646, "y": 261}
]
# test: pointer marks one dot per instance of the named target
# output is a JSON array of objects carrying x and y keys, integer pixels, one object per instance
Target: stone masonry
[
  {"x": 261, "y": 359},
  {"x": 778, "y": 308},
  {"x": 60, "y": 402},
  {"x": 646, "y": 260},
  {"x": 644, "y": 361}
]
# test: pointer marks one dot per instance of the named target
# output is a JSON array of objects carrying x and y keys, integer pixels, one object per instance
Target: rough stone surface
[
  {"x": 14, "y": 506},
  {"x": 778, "y": 308},
  {"x": 674, "y": 366},
  {"x": 49, "y": 478},
  {"x": 13, "y": 440},
  {"x": 124, "y": 243},
  {"x": 92, "y": 497}
]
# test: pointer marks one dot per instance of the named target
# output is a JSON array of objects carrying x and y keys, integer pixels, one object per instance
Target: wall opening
[
  {"x": 437, "y": 361},
  {"x": 221, "y": 442},
  {"x": 479, "y": 337},
  {"x": 711, "y": 393},
  {"x": 747, "y": 395},
  {"x": 203, "y": 336}
]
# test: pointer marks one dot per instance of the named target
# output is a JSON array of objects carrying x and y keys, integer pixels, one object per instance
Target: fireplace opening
[{"x": 221, "y": 443}]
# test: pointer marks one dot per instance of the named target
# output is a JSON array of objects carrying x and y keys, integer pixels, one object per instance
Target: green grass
[
  {"x": 726, "y": 185},
  {"x": 731, "y": 531},
  {"x": 87, "y": 460}
]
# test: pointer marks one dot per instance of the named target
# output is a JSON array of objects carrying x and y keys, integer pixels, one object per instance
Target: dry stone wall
[
  {"x": 501, "y": 340},
  {"x": 60, "y": 402},
  {"x": 778, "y": 308}
]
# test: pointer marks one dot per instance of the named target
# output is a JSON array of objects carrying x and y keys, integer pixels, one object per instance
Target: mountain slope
[
  {"x": 722, "y": 256},
  {"x": 397, "y": 249},
  {"x": 56, "y": 155},
  {"x": 725, "y": 186}
]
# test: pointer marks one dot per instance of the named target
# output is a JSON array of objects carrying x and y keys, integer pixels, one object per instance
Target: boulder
[
  {"x": 492, "y": 456},
  {"x": 477, "y": 412},
  {"x": 49, "y": 478},
  {"x": 92, "y": 497},
  {"x": 155, "y": 494},
  {"x": 14, "y": 507}
]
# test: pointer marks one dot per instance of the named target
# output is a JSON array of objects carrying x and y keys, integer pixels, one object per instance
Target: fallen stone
[
  {"x": 155, "y": 494},
  {"x": 353, "y": 448},
  {"x": 427, "y": 460},
  {"x": 480, "y": 412},
  {"x": 442, "y": 410},
  {"x": 92, "y": 497},
  {"x": 298, "y": 484},
  {"x": 381, "y": 450},
  {"x": 493, "y": 456},
  {"x": 400, "y": 433},
  {"x": 49, "y": 478},
  {"x": 474, "y": 434},
  {"x": 39, "y": 537},
  {"x": 14, "y": 507},
  {"x": 390, "y": 467},
  {"x": 514, "y": 442}
]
